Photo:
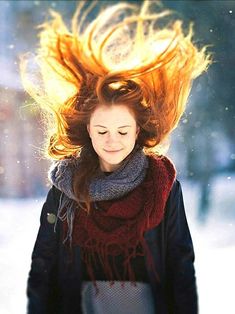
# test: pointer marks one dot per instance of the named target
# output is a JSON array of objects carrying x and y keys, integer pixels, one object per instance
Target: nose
[{"x": 111, "y": 139}]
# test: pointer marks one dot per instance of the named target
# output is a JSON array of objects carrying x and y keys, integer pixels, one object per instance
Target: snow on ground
[{"x": 214, "y": 245}]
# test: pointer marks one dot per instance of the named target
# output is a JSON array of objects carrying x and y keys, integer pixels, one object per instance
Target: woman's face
[{"x": 113, "y": 132}]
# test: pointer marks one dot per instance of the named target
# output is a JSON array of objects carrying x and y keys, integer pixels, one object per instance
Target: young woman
[{"x": 113, "y": 234}]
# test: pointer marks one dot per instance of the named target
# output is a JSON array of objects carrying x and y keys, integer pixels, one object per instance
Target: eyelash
[{"x": 102, "y": 133}]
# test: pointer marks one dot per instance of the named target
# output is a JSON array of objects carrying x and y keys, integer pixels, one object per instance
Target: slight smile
[{"x": 112, "y": 151}]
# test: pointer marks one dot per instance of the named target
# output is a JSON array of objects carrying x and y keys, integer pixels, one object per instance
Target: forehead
[{"x": 112, "y": 114}]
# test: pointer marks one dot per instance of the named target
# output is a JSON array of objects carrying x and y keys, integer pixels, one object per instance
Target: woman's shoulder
[
  {"x": 163, "y": 164},
  {"x": 163, "y": 167},
  {"x": 163, "y": 171},
  {"x": 53, "y": 196},
  {"x": 176, "y": 188},
  {"x": 175, "y": 200}
]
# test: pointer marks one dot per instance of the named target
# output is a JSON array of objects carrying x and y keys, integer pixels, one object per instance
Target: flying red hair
[{"x": 121, "y": 56}]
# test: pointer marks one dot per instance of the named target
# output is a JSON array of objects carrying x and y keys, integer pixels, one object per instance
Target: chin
[{"x": 113, "y": 158}]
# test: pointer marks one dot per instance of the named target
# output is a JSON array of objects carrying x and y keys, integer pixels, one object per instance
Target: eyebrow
[{"x": 102, "y": 126}]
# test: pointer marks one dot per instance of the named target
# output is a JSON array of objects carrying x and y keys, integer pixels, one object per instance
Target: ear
[
  {"x": 137, "y": 131},
  {"x": 88, "y": 128}
]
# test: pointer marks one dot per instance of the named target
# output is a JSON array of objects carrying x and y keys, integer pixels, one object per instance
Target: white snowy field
[{"x": 214, "y": 244}]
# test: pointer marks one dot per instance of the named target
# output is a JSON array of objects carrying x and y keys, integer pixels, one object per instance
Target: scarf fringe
[
  {"x": 68, "y": 206},
  {"x": 110, "y": 269}
]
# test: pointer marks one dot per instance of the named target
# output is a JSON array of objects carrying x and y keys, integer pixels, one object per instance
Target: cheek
[
  {"x": 95, "y": 138},
  {"x": 98, "y": 141}
]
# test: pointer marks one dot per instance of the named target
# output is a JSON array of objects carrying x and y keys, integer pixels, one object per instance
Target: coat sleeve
[
  {"x": 41, "y": 283},
  {"x": 181, "y": 280}
]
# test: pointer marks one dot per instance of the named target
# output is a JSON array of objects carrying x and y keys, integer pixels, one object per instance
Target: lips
[{"x": 112, "y": 151}]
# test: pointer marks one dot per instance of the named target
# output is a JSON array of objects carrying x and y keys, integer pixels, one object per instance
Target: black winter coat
[{"x": 53, "y": 285}]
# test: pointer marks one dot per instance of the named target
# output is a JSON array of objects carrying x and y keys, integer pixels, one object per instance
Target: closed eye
[{"x": 118, "y": 132}]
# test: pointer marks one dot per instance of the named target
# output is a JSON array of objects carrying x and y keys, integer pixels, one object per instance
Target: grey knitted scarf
[{"x": 129, "y": 175}]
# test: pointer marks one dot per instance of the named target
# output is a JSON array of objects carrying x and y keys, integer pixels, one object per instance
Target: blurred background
[{"x": 202, "y": 148}]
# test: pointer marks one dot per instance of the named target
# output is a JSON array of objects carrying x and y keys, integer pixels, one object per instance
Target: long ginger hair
[{"x": 121, "y": 56}]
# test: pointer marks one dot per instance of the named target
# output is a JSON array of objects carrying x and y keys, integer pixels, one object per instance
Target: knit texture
[
  {"x": 117, "y": 226},
  {"x": 124, "y": 179}
]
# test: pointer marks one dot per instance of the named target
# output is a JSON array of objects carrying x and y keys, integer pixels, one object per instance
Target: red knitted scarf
[{"x": 120, "y": 226}]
